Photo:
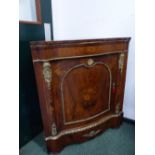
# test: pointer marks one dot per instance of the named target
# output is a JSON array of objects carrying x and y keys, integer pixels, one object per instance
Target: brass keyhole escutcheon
[{"x": 90, "y": 62}]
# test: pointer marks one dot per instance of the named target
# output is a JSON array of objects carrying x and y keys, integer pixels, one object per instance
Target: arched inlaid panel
[{"x": 85, "y": 92}]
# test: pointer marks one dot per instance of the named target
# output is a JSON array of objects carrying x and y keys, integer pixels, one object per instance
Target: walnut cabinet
[{"x": 80, "y": 86}]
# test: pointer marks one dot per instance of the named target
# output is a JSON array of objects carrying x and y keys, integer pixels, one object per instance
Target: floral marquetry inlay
[{"x": 88, "y": 97}]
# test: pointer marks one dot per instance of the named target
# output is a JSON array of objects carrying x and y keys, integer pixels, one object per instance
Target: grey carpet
[{"x": 119, "y": 141}]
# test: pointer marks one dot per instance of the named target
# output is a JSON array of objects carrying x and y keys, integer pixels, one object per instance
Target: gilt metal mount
[
  {"x": 121, "y": 62},
  {"x": 47, "y": 72},
  {"x": 92, "y": 133},
  {"x": 54, "y": 129},
  {"x": 90, "y": 62}
]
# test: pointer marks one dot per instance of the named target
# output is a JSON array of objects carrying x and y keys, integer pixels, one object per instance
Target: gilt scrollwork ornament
[
  {"x": 47, "y": 72},
  {"x": 121, "y": 62},
  {"x": 92, "y": 133},
  {"x": 54, "y": 129},
  {"x": 76, "y": 130}
]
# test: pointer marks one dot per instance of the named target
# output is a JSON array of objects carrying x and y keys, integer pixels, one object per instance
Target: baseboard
[{"x": 131, "y": 121}]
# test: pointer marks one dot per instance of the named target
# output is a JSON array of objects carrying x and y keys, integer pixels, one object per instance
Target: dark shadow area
[
  {"x": 39, "y": 140},
  {"x": 30, "y": 122}
]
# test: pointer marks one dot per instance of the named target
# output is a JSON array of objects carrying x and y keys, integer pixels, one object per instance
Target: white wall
[{"x": 83, "y": 19}]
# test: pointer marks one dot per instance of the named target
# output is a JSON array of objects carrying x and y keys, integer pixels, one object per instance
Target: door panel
[
  {"x": 85, "y": 86},
  {"x": 86, "y": 92}
]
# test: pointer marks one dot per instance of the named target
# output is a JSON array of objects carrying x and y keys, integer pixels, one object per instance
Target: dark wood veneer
[{"x": 81, "y": 87}]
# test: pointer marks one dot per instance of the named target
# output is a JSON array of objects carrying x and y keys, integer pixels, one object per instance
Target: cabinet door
[{"x": 84, "y": 88}]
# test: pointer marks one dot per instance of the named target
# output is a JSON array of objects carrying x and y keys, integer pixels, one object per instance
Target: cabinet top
[
  {"x": 43, "y": 44},
  {"x": 55, "y": 50}
]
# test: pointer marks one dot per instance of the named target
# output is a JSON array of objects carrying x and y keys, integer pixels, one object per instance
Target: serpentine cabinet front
[{"x": 80, "y": 86}]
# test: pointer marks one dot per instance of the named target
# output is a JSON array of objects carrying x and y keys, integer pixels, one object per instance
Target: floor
[{"x": 119, "y": 141}]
